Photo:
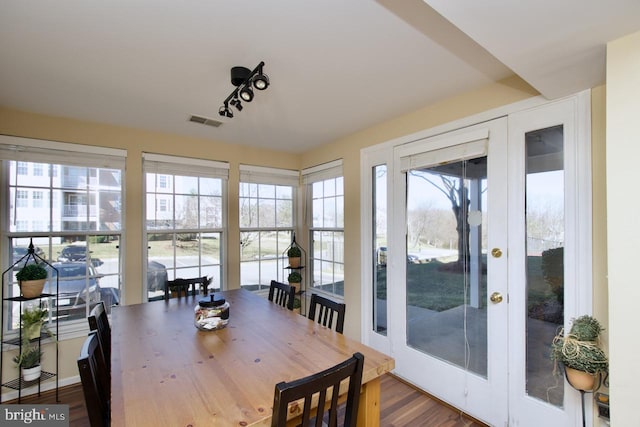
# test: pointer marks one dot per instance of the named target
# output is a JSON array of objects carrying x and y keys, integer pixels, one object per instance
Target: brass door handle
[
  {"x": 496, "y": 297},
  {"x": 496, "y": 252}
]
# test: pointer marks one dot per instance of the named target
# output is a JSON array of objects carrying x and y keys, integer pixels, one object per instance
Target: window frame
[
  {"x": 323, "y": 173},
  {"x": 24, "y": 151},
  {"x": 172, "y": 166},
  {"x": 275, "y": 177}
]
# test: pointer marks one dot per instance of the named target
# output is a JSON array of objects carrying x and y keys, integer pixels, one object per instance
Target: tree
[{"x": 458, "y": 194}]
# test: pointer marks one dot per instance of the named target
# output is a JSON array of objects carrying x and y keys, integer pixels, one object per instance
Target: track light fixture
[
  {"x": 225, "y": 111},
  {"x": 246, "y": 93},
  {"x": 244, "y": 79},
  {"x": 236, "y": 103}
]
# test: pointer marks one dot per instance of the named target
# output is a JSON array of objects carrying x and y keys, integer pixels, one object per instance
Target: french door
[
  {"x": 454, "y": 309},
  {"x": 487, "y": 254}
]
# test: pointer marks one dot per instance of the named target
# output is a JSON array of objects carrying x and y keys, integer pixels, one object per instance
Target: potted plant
[
  {"x": 294, "y": 253},
  {"x": 294, "y": 277},
  {"x": 31, "y": 278},
  {"x": 580, "y": 353},
  {"x": 29, "y": 362},
  {"x": 33, "y": 319}
]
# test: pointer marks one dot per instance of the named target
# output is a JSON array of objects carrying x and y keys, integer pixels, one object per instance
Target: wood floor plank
[{"x": 401, "y": 405}]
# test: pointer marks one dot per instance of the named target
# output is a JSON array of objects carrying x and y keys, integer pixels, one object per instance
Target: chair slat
[
  {"x": 318, "y": 384},
  {"x": 282, "y": 294},
  {"x": 324, "y": 310}
]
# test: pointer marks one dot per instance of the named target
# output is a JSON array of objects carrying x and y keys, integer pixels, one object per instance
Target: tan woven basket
[{"x": 32, "y": 288}]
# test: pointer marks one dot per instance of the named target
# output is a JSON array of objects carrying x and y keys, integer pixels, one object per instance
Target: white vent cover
[{"x": 205, "y": 121}]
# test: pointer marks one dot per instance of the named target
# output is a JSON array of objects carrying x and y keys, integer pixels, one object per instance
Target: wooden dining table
[{"x": 166, "y": 372}]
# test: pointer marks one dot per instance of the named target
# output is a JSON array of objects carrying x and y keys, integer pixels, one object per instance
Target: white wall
[{"x": 623, "y": 207}]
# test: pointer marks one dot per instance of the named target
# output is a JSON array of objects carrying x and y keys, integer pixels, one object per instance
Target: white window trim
[
  {"x": 329, "y": 170},
  {"x": 188, "y": 166},
  {"x": 43, "y": 151},
  {"x": 267, "y": 175},
  {"x": 321, "y": 172},
  {"x": 30, "y": 150}
]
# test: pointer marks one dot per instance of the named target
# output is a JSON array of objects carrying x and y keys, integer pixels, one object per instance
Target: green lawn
[{"x": 436, "y": 286}]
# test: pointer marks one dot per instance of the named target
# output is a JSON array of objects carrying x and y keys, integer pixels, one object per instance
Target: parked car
[
  {"x": 382, "y": 257},
  {"x": 21, "y": 251},
  {"x": 78, "y": 285},
  {"x": 156, "y": 276},
  {"x": 77, "y": 252},
  {"x": 413, "y": 259}
]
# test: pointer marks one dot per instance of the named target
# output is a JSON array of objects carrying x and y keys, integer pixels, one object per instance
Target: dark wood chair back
[
  {"x": 282, "y": 294},
  {"x": 95, "y": 382},
  {"x": 99, "y": 322},
  {"x": 183, "y": 285},
  {"x": 324, "y": 311},
  {"x": 321, "y": 384}
]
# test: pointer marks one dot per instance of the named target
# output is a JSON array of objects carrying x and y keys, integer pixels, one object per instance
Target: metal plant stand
[{"x": 19, "y": 383}]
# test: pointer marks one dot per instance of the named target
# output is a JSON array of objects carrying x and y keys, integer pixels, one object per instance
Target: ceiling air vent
[{"x": 205, "y": 121}]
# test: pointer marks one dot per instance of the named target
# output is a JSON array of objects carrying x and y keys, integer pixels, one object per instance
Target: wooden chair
[
  {"x": 325, "y": 309},
  {"x": 183, "y": 285},
  {"x": 283, "y": 294},
  {"x": 95, "y": 382},
  {"x": 99, "y": 322},
  {"x": 321, "y": 384}
]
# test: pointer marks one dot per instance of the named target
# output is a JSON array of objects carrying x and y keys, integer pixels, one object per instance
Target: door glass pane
[
  {"x": 380, "y": 249},
  {"x": 446, "y": 262},
  {"x": 545, "y": 258}
]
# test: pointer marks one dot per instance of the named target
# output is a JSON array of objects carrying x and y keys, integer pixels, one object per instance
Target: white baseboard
[{"x": 45, "y": 386}]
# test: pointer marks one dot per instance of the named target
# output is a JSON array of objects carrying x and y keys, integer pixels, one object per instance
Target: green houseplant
[
  {"x": 32, "y": 321},
  {"x": 29, "y": 362},
  {"x": 294, "y": 277},
  {"x": 297, "y": 304},
  {"x": 580, "y": 353},
  {"x": 31, "y": 278},
  {"x": 294, "y": 253}
]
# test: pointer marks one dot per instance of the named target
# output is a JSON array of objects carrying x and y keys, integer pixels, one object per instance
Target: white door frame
[
  {"x": 581, "y": 302},
  {"x": 574, "y": 114}
]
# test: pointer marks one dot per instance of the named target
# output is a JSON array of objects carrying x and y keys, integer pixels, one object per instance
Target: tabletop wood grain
[{"x": 167, "y": 372}]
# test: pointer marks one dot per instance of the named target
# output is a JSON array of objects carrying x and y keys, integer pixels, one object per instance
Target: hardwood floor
[
  {"x": 69, "y": 395},
  {"x": 403, "y": 405},
  {"x": 400, "y": 405}
]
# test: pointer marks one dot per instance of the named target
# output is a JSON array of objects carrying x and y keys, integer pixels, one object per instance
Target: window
[
  {"x": 325, "y": 202},
  {"x": 94, "y": 235},
  {"x": 38, "y": 169},
  {"x": 379, "y": 239},
  {"x": 267, "y": 221},
  {"x": 38, "y": 196},
  {"x": 185, "y": 220},
  {"x": 22, "y": 168},
  {"x": 22, "y": 198}
]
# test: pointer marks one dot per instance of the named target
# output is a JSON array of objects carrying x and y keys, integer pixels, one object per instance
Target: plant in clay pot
[
  {"x": 31, "y": 278},
  {"x": 294, "y": 253},
  {"x": 580, "y": 353}
]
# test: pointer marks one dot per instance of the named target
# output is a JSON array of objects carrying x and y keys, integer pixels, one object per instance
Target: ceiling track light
[
  {"x": 225, "y": 111},
  {"x": 246, "y": 93},
  {"x": 244, "y": 79}
]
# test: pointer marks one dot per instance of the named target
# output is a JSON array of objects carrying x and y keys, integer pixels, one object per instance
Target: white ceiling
[{"x": 336, "y": 66}]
